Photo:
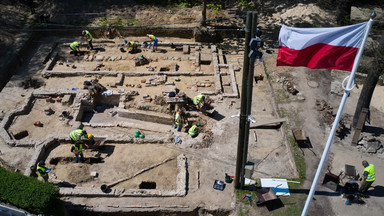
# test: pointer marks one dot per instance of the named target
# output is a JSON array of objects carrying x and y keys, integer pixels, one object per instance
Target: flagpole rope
[{"x": 345, "y": 88}]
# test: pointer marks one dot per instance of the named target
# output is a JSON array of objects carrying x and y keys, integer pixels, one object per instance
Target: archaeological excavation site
[{"x": 127, "y": 99}]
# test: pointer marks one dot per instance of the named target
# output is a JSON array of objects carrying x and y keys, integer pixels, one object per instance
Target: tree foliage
[{"x": 27, "y": 193}]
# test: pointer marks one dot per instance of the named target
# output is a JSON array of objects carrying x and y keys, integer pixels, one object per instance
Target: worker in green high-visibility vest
[
  {"x": 42, "y": 170},
  {"x": 194, "y": 130},
  {"x": 88, "y": 37},
  {"x": 134, "y": 47},
  {"x": 178, "y": 124},
  {"x": 79, "y": 138},
  {"x": 368, "y": 177},
  {"x": 75, "y": 47},
  {"x": 199, "y": 101}
]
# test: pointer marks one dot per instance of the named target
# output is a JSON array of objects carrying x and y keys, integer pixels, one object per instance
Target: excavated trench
[{"x": 106, "y": 107}]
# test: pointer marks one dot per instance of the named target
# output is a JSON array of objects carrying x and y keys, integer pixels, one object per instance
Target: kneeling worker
[
  {"x": 199, "y": 101},
  {"x": 75, "y": 47},
  {"x": 194, "y": 130},
  {"x": 134, "y": 47},
  {"x": 42, "y": 170},
  {"x": 78, "y": 138}
]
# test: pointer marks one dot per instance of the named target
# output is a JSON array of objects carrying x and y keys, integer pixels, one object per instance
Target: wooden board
[
  {"x": 359, "y": 126},
  {"x": 274, "y": 121}
]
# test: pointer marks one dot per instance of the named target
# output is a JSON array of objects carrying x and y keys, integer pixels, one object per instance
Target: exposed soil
[{"x": 210, "y": 157}]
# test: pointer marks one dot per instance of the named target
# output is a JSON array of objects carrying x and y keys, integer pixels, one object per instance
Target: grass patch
[
  {"x": 281, "y": 96},
  {"x": 132, "y": 22},
  {"x": 243, "y": 212}
]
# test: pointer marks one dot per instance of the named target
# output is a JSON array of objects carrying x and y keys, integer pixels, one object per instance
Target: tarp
[{"x": 281, "y": 184}]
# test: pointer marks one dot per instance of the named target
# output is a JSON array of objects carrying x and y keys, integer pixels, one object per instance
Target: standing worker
[
  {"x": 42, "y": 170},
  {"x": 77, "y": 148},
  {"x": 199, "y": 101},
  {"x": 78, "y": 138},
  {"x": 155, "y": 41},
  {"x": 368, "y": 177},
  {"x": 75, "y": 47},
  {"x": 88, "y": 37},
  {"x": 194, "y": 130},
  {"x": 178, "y": 120}
]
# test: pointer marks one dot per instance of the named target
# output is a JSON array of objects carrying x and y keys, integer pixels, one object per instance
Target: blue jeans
[{"x": 81, "y": 157}]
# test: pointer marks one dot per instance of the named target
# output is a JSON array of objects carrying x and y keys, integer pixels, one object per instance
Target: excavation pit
[
  {"x": 147, "y": 185},
  {"x": 120, "y": 166}
]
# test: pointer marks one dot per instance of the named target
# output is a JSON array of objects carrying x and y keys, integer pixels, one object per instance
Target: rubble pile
[
  {"x": 370, "y": 145},
  {"x": 155, "y": 80},
  {"x": 328, "y": 117}
]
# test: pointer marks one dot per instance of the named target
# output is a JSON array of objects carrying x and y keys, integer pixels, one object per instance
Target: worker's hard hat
[
  {"x": 125, "y": 41},
  {"x": 90, "y": 136},
  {"x": 198, "y": 124},
  {"x": 42, "y": 163},
  {"x": 83, "y": 32}
]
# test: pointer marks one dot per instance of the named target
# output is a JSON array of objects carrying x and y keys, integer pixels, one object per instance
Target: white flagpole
[{"x": 348, "y": 88}]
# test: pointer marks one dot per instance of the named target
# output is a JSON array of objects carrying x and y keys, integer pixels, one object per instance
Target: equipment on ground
[{"x": 219, "y": 185}]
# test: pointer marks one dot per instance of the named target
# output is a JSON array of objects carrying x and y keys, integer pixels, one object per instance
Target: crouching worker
[
  {"x": 42, "y": 170},
  {"x": 75, "y": 48},
  {"x": 194, "y": 130},
  {"x": 133, "y": 45},
  {"x": 199, "y": 101},
  {"x": 79, "y": 138}
]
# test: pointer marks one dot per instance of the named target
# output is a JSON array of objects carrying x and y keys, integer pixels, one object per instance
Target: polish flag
[{"x": 330, "y": 48}]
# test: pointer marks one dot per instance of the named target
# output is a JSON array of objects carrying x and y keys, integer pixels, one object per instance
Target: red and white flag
[{"x": 331, "y": 48}]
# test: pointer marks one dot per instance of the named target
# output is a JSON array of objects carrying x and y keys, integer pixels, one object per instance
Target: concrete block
[
  {"x": 173, "y": 67},
  {"x": 206, "y": 57},
  {"x": 169, "y": 88},
  {"x": 99, "y": 58},
  {"x": 186, "y": 49},
  {"x": 67, "y": 100},
  {"x": 120, "y": 79},
  {"x": 94, "y": 174}
]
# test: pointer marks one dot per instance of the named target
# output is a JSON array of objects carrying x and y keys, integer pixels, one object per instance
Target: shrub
[{"x": 27, "y": 193}]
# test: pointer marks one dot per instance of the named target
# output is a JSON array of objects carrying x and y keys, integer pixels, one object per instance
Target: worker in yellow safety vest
[
  {"x": 79, "y": 138},
  {"x": 178, "y": 120},
  {"x": 199, "y": 101},
  {"x": 194, "y": 130},
  {"x": 75, "y": 47},
  {"x": 155, "y": 41},
  {"x": 42, "y": 170},
  {"x": 368, "y": 177},
  {"x": 88, "y": 37},
  {"x": 134, "y": 47},
  {"x": 77, "y": 148}
]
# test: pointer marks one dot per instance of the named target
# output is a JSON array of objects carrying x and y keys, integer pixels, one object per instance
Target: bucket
[
  {"x": 142, "y": 136},
  {"x": 137, "y": 132},
  {"x": 136, "y": 135},
  {"x": 104, "y": 188}
]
